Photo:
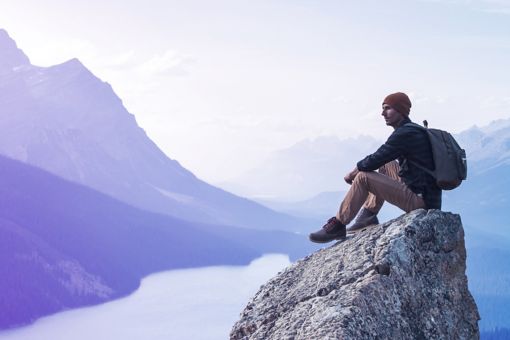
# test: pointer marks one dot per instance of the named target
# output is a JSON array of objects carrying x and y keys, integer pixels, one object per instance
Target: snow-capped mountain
[{"x": 487, "y": 147}]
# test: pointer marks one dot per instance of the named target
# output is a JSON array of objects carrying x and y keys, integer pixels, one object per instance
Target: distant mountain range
[
  {"x": 67, "y": 121},
  {"x": 304, "y": 169},
  {"x": 313, "y": 167},
  {"x": 488, "y": 146}
]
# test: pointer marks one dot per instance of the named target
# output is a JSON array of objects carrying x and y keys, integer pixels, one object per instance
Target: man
[{"x": 408, "y": 187}]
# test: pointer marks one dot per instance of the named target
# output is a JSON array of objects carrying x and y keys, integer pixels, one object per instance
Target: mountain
[
  {"x": 67, "y": 121},
  {"x": 304, "y": 169},
  {"x": 483, "y": 202},
  {"x": 64, "y": 245},
  {"x": 404, "y": 279},
  {"x": 486, "y": 147},
  {"x": 482, "y": 199},
  {"x": 12, "y": 57},
  {"x": 489, "y": 277},
  {"x": 313, "y": 167}
]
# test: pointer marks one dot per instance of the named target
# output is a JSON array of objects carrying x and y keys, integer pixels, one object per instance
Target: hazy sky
[{"x": 220, "y": 84}]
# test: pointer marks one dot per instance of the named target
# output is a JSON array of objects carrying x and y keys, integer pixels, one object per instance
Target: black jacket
[{"x": 408, "y": 144}]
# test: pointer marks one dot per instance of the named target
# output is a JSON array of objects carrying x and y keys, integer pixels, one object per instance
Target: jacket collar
[{"x": 405, "y": 121}]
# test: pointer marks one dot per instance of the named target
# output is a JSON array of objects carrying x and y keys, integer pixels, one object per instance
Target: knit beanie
[{"x": 399, "y": 101}]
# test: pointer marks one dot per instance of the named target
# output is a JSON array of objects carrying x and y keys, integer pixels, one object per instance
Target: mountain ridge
[
  {"x": 67, "y": 121},
  {"x": 315, "y": 166},
  {"x": 303, "y": 169},
  {"x": 12, "y": 56},
  {"x": 64, "y": 245}
]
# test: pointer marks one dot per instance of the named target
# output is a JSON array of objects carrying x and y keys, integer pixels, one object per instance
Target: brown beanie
[{"x": 399, "y": 101}]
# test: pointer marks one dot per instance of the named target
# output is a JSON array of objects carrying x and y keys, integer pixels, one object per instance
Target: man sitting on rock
[{"x": 404, "y": 184}]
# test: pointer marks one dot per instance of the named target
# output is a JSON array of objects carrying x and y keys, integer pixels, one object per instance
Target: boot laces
[{"x": 330, "y": 225}]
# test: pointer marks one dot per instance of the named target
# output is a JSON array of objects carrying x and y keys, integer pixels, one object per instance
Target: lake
[{"x": 199, "y": 303}]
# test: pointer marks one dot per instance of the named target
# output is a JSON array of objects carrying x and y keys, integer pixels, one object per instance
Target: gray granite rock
[{"x": 404, "y": 279}]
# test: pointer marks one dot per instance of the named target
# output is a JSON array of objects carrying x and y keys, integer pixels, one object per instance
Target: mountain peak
[
  {"x": 10, "y": 55},
  {"x": 71, "y": 66},
  {"x": 75, "y": 62},
  {"x": 404, "y": 279}
]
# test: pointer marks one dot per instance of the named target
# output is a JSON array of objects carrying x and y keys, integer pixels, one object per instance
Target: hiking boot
[
  {"x": 332, "y": 230},
  {"x": 365, "y": 219}
]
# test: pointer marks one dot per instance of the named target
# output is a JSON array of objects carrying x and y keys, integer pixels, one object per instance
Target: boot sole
[
  {"x": 351, "y": 232},
  {"x": 326, "y": 241}
]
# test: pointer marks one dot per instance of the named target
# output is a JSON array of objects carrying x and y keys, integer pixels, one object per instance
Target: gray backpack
[{"x": 449, "y": 158}]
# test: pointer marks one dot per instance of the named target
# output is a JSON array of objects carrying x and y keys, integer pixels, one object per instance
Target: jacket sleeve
[{"x": 392, "y": 149}]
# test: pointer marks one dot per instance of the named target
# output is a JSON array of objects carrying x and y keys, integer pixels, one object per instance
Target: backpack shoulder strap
[
  {"x": 430, "y": 172},
  {"x": 416, "y": 125}
]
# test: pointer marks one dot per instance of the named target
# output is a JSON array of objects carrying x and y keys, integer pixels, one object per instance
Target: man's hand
[{"x": 350, "y": 176}]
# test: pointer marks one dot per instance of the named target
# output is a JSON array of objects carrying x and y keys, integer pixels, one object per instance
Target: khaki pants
[{"x": 370, "y": 190}]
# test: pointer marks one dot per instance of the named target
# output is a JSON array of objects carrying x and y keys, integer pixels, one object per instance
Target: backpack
[{"x": 449, "y": 158}]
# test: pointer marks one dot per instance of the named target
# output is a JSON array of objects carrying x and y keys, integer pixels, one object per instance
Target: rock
[{"x": 403, "y": 279}]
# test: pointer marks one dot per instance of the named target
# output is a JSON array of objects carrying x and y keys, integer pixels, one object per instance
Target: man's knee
[
  {"x": 363, "y": 177},
  {"x": 389, "y": 168}
]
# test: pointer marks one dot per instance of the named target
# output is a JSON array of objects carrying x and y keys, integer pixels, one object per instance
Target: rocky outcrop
[{"x": 404, "y": 279}]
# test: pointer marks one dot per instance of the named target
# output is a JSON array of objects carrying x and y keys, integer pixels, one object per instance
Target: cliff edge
[{"x": 403, "y": 279}]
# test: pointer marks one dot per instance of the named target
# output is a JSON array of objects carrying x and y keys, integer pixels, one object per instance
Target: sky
[{"x": 219, "y": 85}]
